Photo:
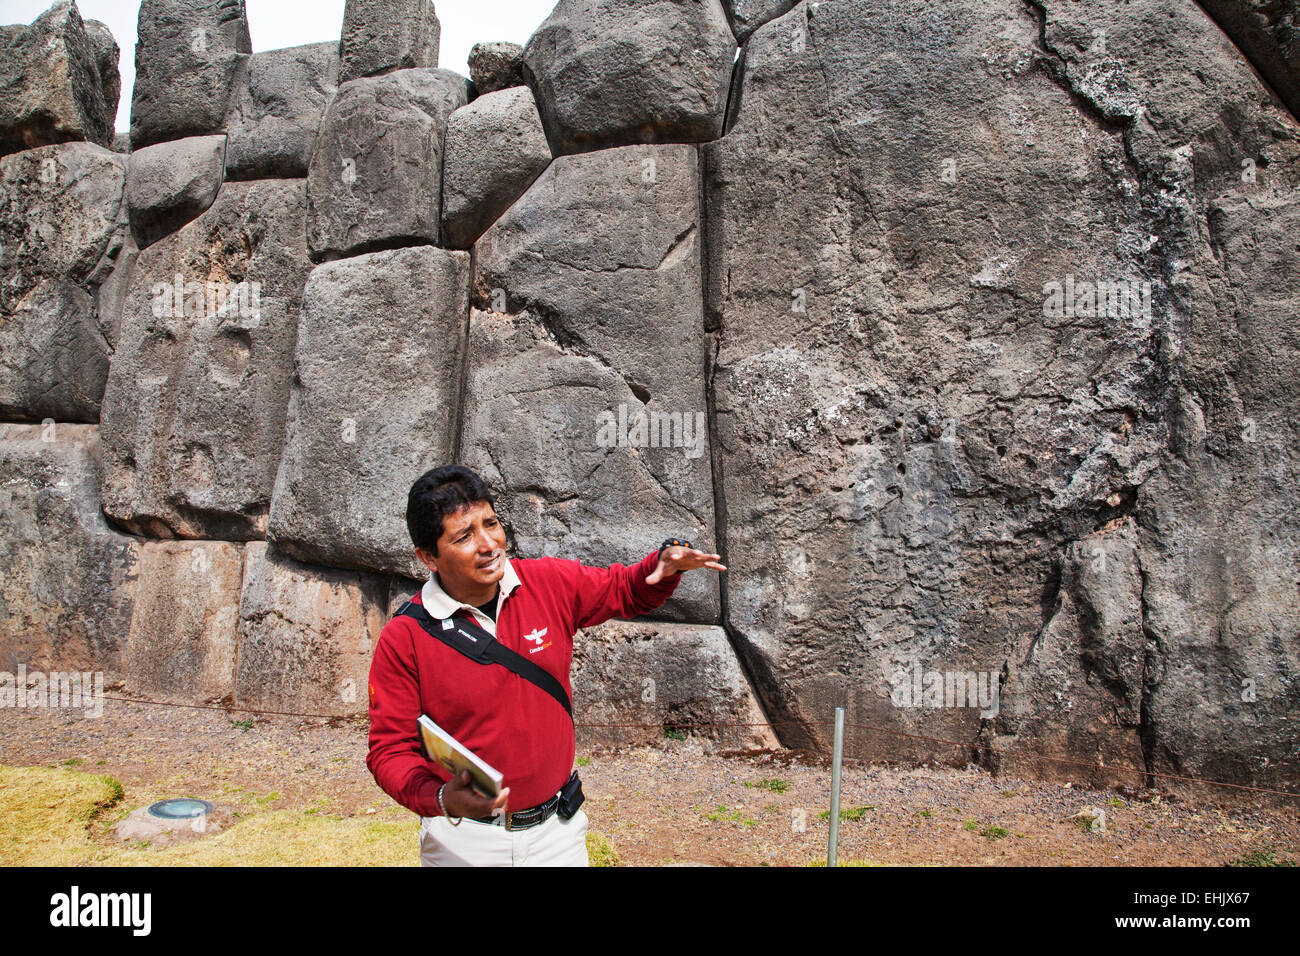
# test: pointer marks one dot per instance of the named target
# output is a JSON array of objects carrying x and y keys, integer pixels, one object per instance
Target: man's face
[{"x": 472, "y": 550}]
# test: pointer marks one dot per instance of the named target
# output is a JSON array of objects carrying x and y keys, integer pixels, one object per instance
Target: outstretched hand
[{"x": 677, "y": 558}]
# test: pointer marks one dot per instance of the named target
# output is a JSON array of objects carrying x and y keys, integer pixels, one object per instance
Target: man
[{"x": 531, "y": 607}]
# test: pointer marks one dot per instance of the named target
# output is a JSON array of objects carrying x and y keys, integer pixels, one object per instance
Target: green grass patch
[
  {"x": 723, "y": 815},
  {"x": 971, "y": 825},
  {"x": 582, "y": 761},
  {"x": 775, "y": 784},
  {"x": 600, "y": 852},
  {"x": 1260, "y": 858},
  {"x": 992, "y": 833},
  {"x": 850, "y": 813},
  {"x": 48, "y": 816}
]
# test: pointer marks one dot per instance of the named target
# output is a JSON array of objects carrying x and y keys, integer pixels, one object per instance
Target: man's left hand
[{"x": 677, "y": 559}]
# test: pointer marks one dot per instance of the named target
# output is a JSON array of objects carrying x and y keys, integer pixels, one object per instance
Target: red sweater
[{"x": 509, "y": 722}]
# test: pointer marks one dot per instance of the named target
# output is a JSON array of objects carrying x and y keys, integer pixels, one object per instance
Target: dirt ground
[{"x": 675, "y": 804}]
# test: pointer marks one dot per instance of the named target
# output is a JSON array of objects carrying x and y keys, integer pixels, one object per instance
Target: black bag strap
[{"x": 470, "y": 639}]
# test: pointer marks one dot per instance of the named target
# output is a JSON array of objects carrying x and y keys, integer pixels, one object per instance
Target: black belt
[
  {"x": 568, "y": 800},
  {"x": 523, "y": 819}
]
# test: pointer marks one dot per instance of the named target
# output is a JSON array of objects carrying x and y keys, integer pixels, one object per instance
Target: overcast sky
[{"x": 279, "y": 23}]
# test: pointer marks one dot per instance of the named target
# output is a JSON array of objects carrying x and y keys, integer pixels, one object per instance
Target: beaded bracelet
[
  {"x": 671, "y": 543},
  {"x": 444, "y": 809}
]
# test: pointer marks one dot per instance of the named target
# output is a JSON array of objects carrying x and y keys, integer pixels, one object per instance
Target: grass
[
  {"x": 851, "y": 813},
  {"x": 245, "y": 724},
  {"x": 54, "y": 816},
  {"x": 992, "y": 833},
  {"x": 600, "y": 852},
  {"x": 971, "y": 825},
  {"x": 839, "y": 862},
  {"x": 924, "y": 813},
  {"x": 723, "y": 815},
  {"x": 673, "y": 734},
  {"x": 774, "y": 784},
  {"x": 582, "y": 761},
  {"x": 1260, "y": 858}
]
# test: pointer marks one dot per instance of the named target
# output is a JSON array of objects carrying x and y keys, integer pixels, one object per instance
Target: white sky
[{"x": 280, "y": 23}]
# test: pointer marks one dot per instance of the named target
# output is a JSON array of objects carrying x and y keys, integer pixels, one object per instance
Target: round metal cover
[{"x": 184, "y": 808}]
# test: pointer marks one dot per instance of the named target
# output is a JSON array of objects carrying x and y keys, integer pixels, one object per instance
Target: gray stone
[
  {"x": 1221, "y": 536},
  {"x": 912, "y": 437},
  {"x": 53, "y": 356},
  {"x": 633, "y": 678},
  {"x": 194, "y": 410},
  {"x": 107, "y": 57},
  {"x": 1268, "y": 33},
  {"x": 746, "y": 16},
  {"x": 373, "y": 406},
  {"x": 590, "y": 334},
  {"x": 1077, "y": 696},
  {"x": 495, "y": 66},
  {"x": 276, "y": 111},
  {"x": 306, "y": 635},
  {"x": 185, "y": 626},
  {"x": 172, "y": 183},
  {"x": 496, "y": 147},
  {"x": 380, "y": 36},
  {"x": 62, "y": 215},
  {"x": 187, "y": 58},
  {"x": 608, "y": 73},
  {"x": 62, "y": 230},
  {"x": 372, "y": 186},
  {"x": 52, "y": 89},
  {"x": 67, "y": 593},
  {"x": 111, "y": 297}
]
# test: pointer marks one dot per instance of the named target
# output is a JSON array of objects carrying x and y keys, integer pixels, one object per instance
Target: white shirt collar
[{"x": 441, "y": 604}]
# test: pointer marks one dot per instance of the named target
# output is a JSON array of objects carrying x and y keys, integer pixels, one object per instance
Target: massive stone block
[
  {"x": 495, "y": 66},
  {"x": 187, "y": 58},
  {"x": 949, "y": 384},
  {"x": 195, "y": 406},
  {"x": 172, "y": 183},
  {"x": 58, "y": 81},
  {"x": 185, "y": 626},
  {"x": 62, "y": 227},
  {"x": 306, "y": 635},
  {"x": 277, "y": 109},
  {"x": 53, "y": 356},
  {"x": 374, "y": 404},
  {"x": 584, "y": 398},
  {"x": 380, "y": 36},
  {"x": 107, "y": 57},
  {"x": 633, "y": 678},
  {"x": 496, "y": 147},
  {"x": 608, "y": 73},
  {"x": 68, "y": 586},
  {"x": 373, "y": 185}
]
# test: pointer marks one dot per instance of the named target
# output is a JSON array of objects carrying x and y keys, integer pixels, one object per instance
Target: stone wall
[{"x": 965, "y": 332}]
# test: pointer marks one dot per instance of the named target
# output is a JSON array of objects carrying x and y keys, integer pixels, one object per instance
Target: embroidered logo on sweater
[{"x": 536, "y": 637}]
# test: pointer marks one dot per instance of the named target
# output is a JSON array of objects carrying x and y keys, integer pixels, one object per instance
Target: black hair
[{"x": 438, "y": 493}]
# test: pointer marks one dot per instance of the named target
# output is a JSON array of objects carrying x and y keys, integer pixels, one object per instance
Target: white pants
[{"x": 554, "y": 843}]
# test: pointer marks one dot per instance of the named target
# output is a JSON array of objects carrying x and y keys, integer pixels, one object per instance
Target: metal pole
[{"x": 833, "y": 844}]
